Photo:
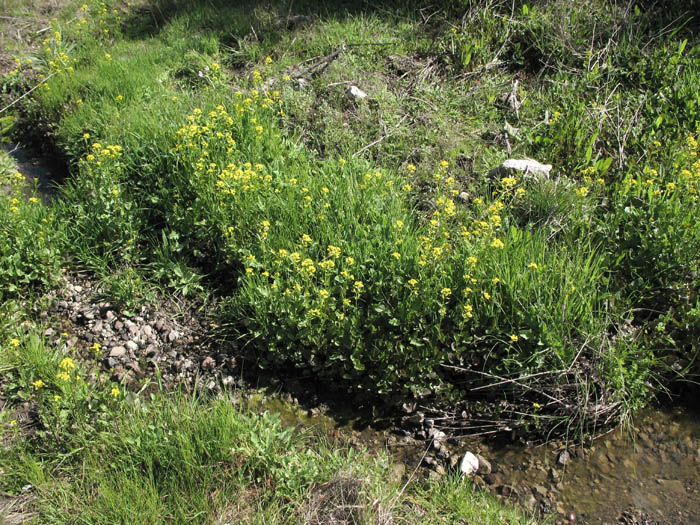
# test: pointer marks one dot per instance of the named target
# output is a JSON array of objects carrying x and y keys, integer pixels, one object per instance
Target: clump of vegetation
[{"x": 367, "y": 240}]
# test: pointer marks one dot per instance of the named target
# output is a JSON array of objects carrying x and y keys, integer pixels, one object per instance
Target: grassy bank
[{"x": 367, "y": 241}]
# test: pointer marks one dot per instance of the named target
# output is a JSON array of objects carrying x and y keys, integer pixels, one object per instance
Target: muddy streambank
[{"x": 648, "y": 473}]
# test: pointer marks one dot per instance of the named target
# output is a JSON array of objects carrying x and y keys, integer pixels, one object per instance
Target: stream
[{"x": 648, "y": 473}]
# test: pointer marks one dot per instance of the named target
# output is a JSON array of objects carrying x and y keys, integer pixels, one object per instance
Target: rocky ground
[{"x": 168, "y": 342}]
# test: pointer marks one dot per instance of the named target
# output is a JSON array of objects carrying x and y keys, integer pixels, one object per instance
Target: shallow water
[
  {"x": 36, "y": 168},
  {"x": 648, "y": 473}
]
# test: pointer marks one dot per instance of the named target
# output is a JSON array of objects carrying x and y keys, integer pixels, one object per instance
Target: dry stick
[
  {"x": 410, "y": 478},
  {"x": 527, "y": 387},
  {"x": 506, "y": 381},
  {"x": 381, "y": 138},
  {"x": 27, "y": 93}
]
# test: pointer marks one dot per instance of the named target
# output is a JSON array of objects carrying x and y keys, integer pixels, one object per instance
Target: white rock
[
  {"x": 470, "y": 464},
  {"x": 527, "y": 166},
  {"x": 355, "y": 93}
]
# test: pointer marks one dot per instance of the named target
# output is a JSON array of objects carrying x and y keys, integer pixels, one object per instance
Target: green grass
[{"x": 97, "y": 453}]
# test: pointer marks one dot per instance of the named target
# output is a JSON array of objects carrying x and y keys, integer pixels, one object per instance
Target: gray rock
[
  {"x": 173, "y": 336},
  {"x": 493, "y": 479},
  {"x": 563, "y": 458},
  {"x": 117, "y": 351},
  {"x": 416, "y": 419},
  {"x": 539, "y": 490},
  {"x": 118, "y": 325},
  {"x": 147, "y": 333},
  {"x": 530, "y": 503},
  {"x": 408, "y": 407},
  {"x": 135, "y": 368},
  {"x": 132, "y": 346},
  {"x": 484, "y": 465},
  {"x": 97, "y": 327},
  {"x": 438, "y": 435},
  {"x": 109, "y": 315}
]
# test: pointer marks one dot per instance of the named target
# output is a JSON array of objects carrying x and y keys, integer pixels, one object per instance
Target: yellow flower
[
  {"x": 396, "y": 255},
  {"x": 508, "y": 182},
  {"x": 468, "y": 312},
  {"x": 497, "y": 243},
  {"x": 14, "y": 342},
  {"x": 349, "y": 261},
  {"x": 66, "y": 364},
  {"x": 306, "y": 239},
  {"x": 514, "y": 338},
  {"x": 38, "y": 384},
  {"x": 56, "y": 398},
  {"x": 411, "y": 168},
  {"x": 358, "y": 286},
  {"x": 86, "y": 135},
  {"x": 63, "y": 376},
  {"x": 115, "y": 392},
  {"x": 532, "y": 266},
  {"x": 308, "y": 266},
  {"x": 334, "y": 251},
  {"x": 444, "y": 164},
  {"x": 495, "y": 280},
  {"x": 487, "y": 296},
  {"x": 412, "y": 283},
  {"x": 13, "y": 423},
  {"x": 324, "y": 294},
  {"x": 108, "y": 56},
  {"x": 536, "y": 406},
  {"x": 445, "y": 293},
  {"x": 268, "y": 60}
]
